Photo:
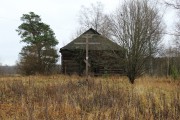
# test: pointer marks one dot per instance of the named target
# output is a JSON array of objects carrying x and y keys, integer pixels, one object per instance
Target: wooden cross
[{"x": 87, "y": 37}]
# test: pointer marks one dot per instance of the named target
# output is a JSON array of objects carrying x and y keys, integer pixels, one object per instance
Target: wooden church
[{"x": 106, "y": 57}]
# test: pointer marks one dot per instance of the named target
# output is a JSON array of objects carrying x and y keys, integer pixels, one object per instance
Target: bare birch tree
[{"x": 136, "y": 27}]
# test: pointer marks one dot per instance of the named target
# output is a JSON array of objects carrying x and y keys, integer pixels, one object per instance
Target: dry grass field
[{"x": 62, "y": 97}]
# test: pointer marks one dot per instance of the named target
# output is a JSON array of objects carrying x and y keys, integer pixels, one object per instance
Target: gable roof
[{"x": 104, "y": 43}]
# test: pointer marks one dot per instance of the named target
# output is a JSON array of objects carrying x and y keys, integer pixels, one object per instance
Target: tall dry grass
[{"x": 103, "y": 98}]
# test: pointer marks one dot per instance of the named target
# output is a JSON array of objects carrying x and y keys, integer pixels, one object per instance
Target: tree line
[{"x": 137, "y": 26}]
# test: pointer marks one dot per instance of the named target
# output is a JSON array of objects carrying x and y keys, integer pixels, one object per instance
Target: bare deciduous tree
[
  {"x": 176, "y": 48},
  {"x": 94, "y": 17},
  {"x": 137, "y": 26},
  {"x": 174, "y": 3}
]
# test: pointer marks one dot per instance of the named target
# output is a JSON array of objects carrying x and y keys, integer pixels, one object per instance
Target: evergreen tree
[{"x": 39, "y": 54}]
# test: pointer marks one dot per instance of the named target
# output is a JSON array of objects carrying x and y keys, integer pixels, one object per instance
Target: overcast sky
[{"x": 61, "y": 15}]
